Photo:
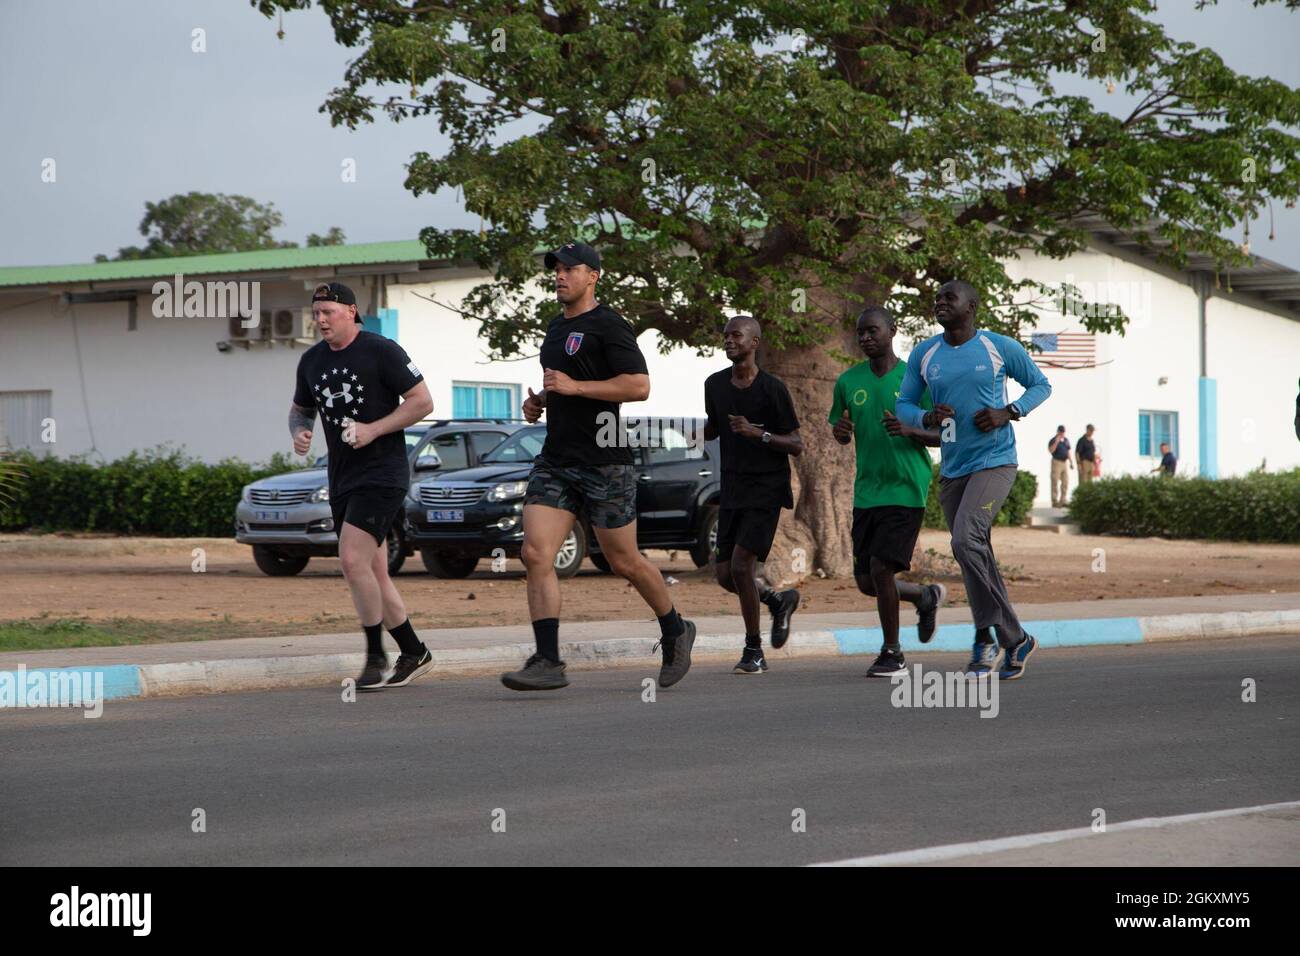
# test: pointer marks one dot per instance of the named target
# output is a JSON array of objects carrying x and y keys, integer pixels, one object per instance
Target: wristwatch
[
  {"x": 1014, "y": 411},
  {"x": 767, "y": 438}
]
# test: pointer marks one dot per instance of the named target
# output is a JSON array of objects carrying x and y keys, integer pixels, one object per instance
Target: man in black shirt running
[
  {"x": 750, "y": 412},
  {"x": 590, "y": 363},
  {"x": 367, "y": 391}
]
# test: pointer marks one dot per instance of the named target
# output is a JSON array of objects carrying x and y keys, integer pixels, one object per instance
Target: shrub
[
  {"x": 1258, "y": 507},
  {"x": 158, "y": 492}
]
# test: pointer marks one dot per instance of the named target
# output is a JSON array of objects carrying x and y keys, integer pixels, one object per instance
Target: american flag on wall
[{"x": 1063, "y": 349}]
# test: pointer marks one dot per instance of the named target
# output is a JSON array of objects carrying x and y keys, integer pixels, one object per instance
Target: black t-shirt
[
  {"x": 591, "y": 347},
  {"x": 754, "y": 475},
  {"x": 1062, "y": 450},
  {"x": 1086, "y": 450},
  {"x": 363, "y": 382},
  {"x": 1169, "y": 462}
]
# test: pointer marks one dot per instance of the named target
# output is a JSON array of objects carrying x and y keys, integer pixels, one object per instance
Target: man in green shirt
[{"x": 890, "y": 488}]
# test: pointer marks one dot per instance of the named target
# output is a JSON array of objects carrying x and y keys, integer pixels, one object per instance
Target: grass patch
[{"x": 52, "y": 633}]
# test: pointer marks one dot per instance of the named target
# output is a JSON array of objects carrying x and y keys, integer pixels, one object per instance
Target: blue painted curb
[{"x": 957, "y": 637}]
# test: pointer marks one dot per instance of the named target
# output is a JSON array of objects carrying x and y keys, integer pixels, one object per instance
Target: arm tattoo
[{"x": 301, "y": 419}]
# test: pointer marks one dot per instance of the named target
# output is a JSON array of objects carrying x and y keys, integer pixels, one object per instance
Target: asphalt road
[{"x": 710, "y": 773}]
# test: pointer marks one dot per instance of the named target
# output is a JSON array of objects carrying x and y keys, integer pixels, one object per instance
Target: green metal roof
[{"x": 262, "y": 260}]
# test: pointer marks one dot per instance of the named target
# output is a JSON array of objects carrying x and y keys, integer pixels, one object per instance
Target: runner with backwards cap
[{"x": 367, "y": 391}]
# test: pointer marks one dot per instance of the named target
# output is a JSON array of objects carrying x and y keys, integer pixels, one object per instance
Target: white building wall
[
  {"x": 1255, "y": 358},
  {"x": 164, "y": 382}
]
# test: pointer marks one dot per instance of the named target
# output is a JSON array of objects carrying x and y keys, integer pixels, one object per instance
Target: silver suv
[{"x": 287, "y": 520}]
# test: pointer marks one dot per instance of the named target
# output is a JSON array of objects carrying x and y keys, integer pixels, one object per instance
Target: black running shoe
[
  {"x": 372, "y": 675},
  {"x": 782, "y": 606},
  {"x": 539, "y": 673},
  {"x": 411, "y": 666},
  {"x": 936, "y": 595},
  {"x": 752, "y": 661},
  {"x": 677, "y": 654},
  {"x": 1013, "y": 665},
  {"x": 887, "y": 664}
]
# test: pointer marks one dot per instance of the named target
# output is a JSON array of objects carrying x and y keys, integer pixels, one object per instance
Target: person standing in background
[
  {"x": 1085, "y": 453},
  {"x": 1059, "y": 446}
]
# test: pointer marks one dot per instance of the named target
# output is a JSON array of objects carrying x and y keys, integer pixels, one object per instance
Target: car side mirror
[{"x": 428, "y": 463}]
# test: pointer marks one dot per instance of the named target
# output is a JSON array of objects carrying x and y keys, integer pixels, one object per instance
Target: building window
[
  {"x": 21, "y": 418},
  {"x": 484, "y": 400},
  {"x": 1154, "y": 428}
]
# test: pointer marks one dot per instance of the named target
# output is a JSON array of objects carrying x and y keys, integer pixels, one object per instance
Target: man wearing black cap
[
  {"x": 590, "y": 363},
  {"x": 367, "y": 391}
]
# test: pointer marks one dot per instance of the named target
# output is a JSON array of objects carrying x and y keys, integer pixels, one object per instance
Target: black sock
[
  {"x": 374, "y": 639},
  {"x": 766, "y": 594},
  {"x": 754, "y": 641},
  {"x": 984, "y": 635},
  {"x": 894, "y": 648},
  {"x": 670, "y": 624},
  {"x": 547, "y": 634},
  {"x": 405, "y": 637}
]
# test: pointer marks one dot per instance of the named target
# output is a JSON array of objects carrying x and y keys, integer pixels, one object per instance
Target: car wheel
[
  {"x": 706, "y": 543},
  {"x": 276, "y": 563},
  {"x": 396, "y": 551},
  {"x": 571, "y": 553},
  {"x": 448, "y": 564},
  {"x": 601, "y": 562}
]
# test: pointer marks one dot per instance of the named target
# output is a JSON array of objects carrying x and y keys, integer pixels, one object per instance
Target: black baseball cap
[
  {"x": 573, "y": 253},
  {"x": 335, "y": 292}
]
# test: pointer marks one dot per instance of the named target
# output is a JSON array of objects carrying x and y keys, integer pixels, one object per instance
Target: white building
[{"x": 88, "y": 366}]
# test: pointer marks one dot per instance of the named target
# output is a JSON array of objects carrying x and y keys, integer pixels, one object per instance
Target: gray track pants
[{"x": 970, "y": 504}]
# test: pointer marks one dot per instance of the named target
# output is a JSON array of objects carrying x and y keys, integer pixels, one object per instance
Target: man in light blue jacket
[{"x": 966, "y": 370}]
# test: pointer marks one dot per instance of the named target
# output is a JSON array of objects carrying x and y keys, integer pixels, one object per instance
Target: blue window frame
[
  {"x": 484, "y": 400},
  {"x": 1154, "y": 428}
]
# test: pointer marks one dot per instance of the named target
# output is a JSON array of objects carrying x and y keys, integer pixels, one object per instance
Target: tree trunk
[{"x": 815, "y": 536}]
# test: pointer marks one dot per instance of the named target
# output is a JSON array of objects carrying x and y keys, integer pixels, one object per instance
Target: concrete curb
[{"x": 124, "y": 681}]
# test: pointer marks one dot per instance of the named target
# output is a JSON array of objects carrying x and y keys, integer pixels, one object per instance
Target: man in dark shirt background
[
  {"x": 1168, "y": 462},
  {"x": 1085, "y": 454},
  {"x": 1059, "y": 446},
  {"x": 750, "y": 412}
]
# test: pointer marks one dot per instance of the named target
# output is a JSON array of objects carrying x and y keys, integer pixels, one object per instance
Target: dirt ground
[{"x": 103, "y": 579}]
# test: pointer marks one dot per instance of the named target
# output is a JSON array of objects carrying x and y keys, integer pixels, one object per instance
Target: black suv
[
  {"x": 287, "y": 520},
  {"x": 478, "y": 513}
]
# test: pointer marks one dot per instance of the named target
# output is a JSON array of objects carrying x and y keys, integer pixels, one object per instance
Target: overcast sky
[{"x": 113, "y": 93}]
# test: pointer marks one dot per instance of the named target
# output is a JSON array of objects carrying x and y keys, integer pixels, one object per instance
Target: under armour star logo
[{"x": 346, "y": 395}]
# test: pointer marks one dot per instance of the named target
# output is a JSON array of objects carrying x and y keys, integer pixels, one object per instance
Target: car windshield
[{"x": 524, "y": 445}]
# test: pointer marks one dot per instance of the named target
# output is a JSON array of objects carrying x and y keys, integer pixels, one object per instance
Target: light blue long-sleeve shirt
[{"x": 969, "y": 377}]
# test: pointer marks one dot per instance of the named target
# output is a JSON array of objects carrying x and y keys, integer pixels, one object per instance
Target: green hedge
[
  {"x": 160, "y": 492},
  {"x": 1014, "y": 510},
  {"x": 1258, "y": 507}
]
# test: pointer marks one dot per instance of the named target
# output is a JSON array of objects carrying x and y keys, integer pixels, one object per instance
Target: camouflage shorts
[{"x": 606, "y": 493}]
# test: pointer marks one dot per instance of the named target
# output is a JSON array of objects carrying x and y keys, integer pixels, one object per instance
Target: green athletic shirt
[{"x": 891, "y": 471}]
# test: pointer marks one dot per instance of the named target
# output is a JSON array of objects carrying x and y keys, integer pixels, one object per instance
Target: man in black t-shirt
[
  {"x": 367, "y": 391},
  {"x": 590, "y": 363},
  {"x": 752, "y": 416}
]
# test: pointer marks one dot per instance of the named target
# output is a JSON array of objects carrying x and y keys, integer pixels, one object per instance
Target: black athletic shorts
[
  {"x": 607, "y": 493},
  {"x": 751, "y": 528},
  {"x": 372, "y": 509},
  {"x": 889, "y": 533}
]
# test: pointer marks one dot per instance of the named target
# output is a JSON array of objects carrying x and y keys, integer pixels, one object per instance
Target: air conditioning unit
[
  {"x": 240, "y": 333},
  {"x": 288, "y": 324}
]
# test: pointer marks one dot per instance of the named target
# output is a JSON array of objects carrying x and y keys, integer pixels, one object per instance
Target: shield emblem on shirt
[{"x": 573, "y": 343}]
